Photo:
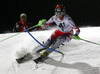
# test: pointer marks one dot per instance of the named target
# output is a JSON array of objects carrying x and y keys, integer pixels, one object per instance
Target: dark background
[{"x": 83, "y": 12}]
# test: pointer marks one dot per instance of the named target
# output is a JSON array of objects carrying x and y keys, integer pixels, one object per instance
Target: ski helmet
[
  {"x": 59, "y": 10},
  {"x": 23, "y": 15}
]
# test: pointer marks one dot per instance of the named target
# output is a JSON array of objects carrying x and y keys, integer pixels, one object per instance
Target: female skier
[{"x": 63, "y": 33}]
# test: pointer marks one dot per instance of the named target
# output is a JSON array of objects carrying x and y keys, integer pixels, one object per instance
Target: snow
[{"x": 80, "y": 57}]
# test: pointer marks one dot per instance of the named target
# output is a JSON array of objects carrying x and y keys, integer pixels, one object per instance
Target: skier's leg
[
  {"x": 60, "y": 40},
  {"x": 47, "y": 52},
  {"x": 59, "y": 37},
  {"x": 48, "y": 43}
]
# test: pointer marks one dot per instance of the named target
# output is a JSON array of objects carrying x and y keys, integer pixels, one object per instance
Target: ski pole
[
  {"x": 78, "y": 38},
  {"x": 42, "y": 44},
  {"x": 15, "y": 34},
  {"x": 90, "y": 41},
  {"x": 39, "y": 24}
]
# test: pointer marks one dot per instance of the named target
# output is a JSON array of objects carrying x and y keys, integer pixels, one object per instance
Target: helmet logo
[{"x": 58, "y": 9}]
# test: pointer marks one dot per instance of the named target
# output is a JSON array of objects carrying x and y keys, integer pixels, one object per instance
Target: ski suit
[
  {"x": 64, "y": 31},
  {"x": 21, "y": 26}
]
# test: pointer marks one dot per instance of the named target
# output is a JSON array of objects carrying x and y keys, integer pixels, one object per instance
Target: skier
[
  {"x": 63, "y": 33},
  {"x": 19, "y": 27}
]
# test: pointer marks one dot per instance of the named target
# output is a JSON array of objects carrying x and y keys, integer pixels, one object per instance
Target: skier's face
[
  {"x": 60, "y": 14},
  {"x": 23, "y": 19}
]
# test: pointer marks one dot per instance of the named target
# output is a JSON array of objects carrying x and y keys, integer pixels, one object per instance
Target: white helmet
[{"x": 23, "y": 15}]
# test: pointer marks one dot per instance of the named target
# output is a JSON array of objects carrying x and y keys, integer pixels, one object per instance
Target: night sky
[{"x": 83, "y": 12}]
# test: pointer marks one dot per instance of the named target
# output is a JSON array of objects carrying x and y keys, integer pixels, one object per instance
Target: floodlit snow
[{"x": 80, "y": 57}]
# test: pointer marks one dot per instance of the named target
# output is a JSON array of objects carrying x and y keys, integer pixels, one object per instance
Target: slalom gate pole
[
  {"x": 39, "y": 24},
  {"x": 78, "y": 38},
  {"x": 42, "y": 44}
]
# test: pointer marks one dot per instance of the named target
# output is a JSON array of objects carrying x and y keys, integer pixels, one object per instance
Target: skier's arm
[
  {"x": 48, "y": 23},
  {"x": 74, "y": 26}
]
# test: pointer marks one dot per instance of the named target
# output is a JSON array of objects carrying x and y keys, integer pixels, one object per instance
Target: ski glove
[{"x": 44, "y": 25}]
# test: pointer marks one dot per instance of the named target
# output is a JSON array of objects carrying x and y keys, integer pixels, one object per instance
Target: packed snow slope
[{"x": 80, "y": 57}]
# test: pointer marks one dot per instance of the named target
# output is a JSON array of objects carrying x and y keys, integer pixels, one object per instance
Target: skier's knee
[
  {"x": 49, "y": 42},
  {"x": 61, "y": 39}
]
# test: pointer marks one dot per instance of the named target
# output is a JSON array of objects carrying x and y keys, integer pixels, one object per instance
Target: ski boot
[
  {"x": 42, "y": 58},
  {"x": 38, "y": 51},
  {"x": 25, "y": 58}
]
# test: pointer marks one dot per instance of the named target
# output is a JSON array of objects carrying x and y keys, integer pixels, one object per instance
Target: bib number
[{"x": 62, "y": 25}]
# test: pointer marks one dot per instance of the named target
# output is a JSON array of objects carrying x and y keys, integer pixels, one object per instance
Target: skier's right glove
[{"x": 42, "y": 23}]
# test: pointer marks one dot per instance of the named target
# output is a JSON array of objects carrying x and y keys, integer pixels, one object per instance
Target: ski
[
  {"x": 47, "y": 60},
  {"x": 24, "y": 59},
  {"x": 40, "y": 59}
]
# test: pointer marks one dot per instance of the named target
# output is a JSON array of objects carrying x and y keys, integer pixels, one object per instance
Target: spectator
[{"x": 19, "y": 27}]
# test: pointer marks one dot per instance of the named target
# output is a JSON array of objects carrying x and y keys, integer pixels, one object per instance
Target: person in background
[{"x": 19, "y": 27}]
